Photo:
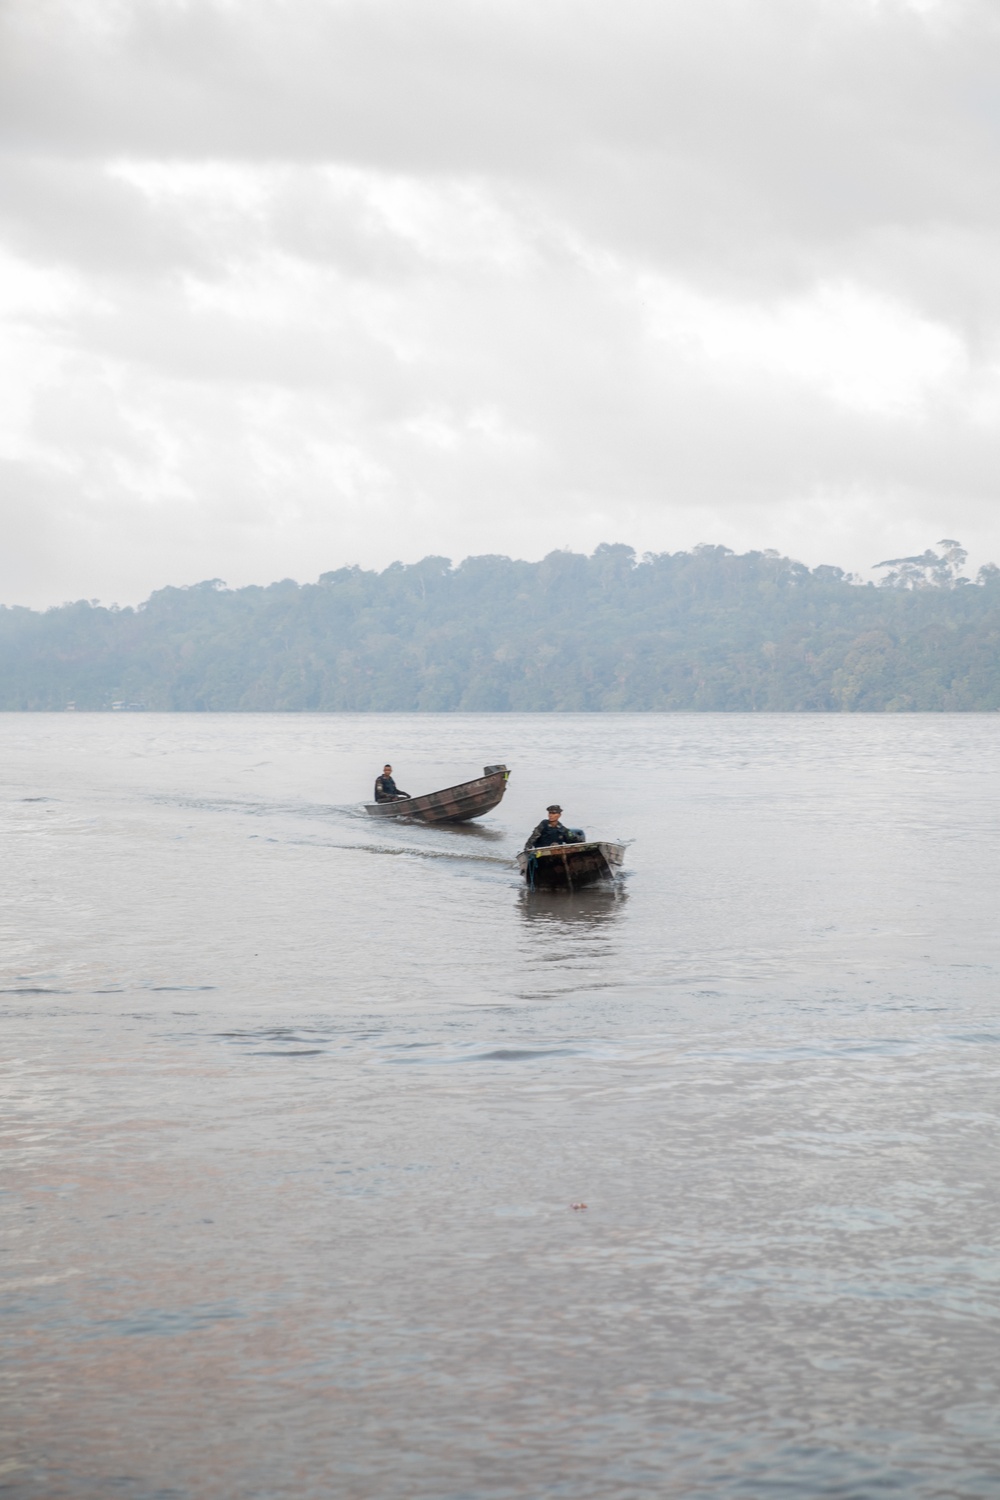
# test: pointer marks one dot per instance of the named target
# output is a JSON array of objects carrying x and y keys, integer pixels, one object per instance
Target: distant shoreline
[{"x": 706, "y": 631}]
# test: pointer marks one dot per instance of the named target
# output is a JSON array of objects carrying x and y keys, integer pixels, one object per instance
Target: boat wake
[{"x": 412, "y": 852}]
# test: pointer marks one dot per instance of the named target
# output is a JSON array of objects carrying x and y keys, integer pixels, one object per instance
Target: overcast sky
[{"x": 289, "y": 284}]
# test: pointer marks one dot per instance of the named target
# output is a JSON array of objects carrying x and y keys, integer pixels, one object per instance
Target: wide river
[{"x": 298, "y": 1105}]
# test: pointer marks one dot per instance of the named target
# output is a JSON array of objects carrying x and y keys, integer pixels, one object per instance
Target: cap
[{"x": 554, "y": 807}]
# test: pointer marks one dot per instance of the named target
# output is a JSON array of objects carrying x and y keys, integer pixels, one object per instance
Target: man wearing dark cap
[{"x": 551, "y": 831}]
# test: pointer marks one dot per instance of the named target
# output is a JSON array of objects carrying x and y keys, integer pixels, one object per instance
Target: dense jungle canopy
[{"x": 702, "y": 630}]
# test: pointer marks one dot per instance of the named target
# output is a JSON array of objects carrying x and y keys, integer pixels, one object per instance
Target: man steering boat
[{"x": 551, "y": 831}]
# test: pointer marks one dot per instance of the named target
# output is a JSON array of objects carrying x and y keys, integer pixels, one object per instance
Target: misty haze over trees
[{"x": 702, "y": 630}]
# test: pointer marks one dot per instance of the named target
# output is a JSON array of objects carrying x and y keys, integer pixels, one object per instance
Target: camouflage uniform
[
  {"x": 550, "y": 833},
  {"x": 386, "y": 790}
]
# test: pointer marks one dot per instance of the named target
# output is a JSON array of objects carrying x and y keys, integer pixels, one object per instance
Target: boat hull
[
  {"x": 455, "y": 804},
  {"x": 568, "y": 867}
]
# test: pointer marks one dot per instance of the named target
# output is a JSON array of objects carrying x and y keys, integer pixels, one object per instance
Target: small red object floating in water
[{"x": 578, "y": 1205}]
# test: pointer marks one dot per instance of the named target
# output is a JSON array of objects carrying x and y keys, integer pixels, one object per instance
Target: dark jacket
[
  {"x": 386, "y": 790},
  {"x": 550, "y": 833}
]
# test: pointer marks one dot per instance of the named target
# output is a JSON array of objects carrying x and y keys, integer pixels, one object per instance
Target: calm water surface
[{"x": 296, "y": 1105}]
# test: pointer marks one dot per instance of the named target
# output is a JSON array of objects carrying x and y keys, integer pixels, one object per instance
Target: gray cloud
[
  {"x": 811, "y": 122},
  {"x": 288, "y": 286}
]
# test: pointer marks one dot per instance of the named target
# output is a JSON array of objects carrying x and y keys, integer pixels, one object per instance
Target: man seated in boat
[
  {"x": 551, "y": 831},
  {"x": 386, "y": 789}
]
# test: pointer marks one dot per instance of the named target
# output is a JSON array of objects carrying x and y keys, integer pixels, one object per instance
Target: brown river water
[{"x": 296, "y": 1105}]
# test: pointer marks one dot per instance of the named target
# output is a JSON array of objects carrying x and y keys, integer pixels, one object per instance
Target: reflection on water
[
  {"x": 297, "y": 1105},
  {"x": 471, "y": 831},
  {"x": 595, "y": 908}
]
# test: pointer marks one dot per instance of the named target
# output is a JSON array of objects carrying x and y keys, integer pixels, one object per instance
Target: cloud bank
[{"x": 291, "y": 285}]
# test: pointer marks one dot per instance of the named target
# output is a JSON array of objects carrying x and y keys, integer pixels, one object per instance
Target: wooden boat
[
  {"x": 456, "y": 804},
  {"x": 567, "y": 867}
]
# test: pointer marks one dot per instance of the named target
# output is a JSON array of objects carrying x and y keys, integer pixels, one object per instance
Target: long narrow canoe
[
  {"x": 567, "y": 867},
  {"x": 456, "y": 804}
]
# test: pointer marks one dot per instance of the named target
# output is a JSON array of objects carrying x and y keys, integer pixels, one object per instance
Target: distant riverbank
[{"x": 701, "y": 631}]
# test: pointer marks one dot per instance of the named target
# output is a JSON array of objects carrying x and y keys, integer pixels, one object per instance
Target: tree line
[{"x": 701, "y": 630}]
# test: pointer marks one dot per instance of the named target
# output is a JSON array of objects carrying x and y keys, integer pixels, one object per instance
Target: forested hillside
[{"x": 689, "y": 630}]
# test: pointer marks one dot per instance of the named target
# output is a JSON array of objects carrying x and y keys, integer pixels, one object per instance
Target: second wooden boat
[
  {"x": 456, "y": 804},
  {"x": 567, "y": 867}
]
